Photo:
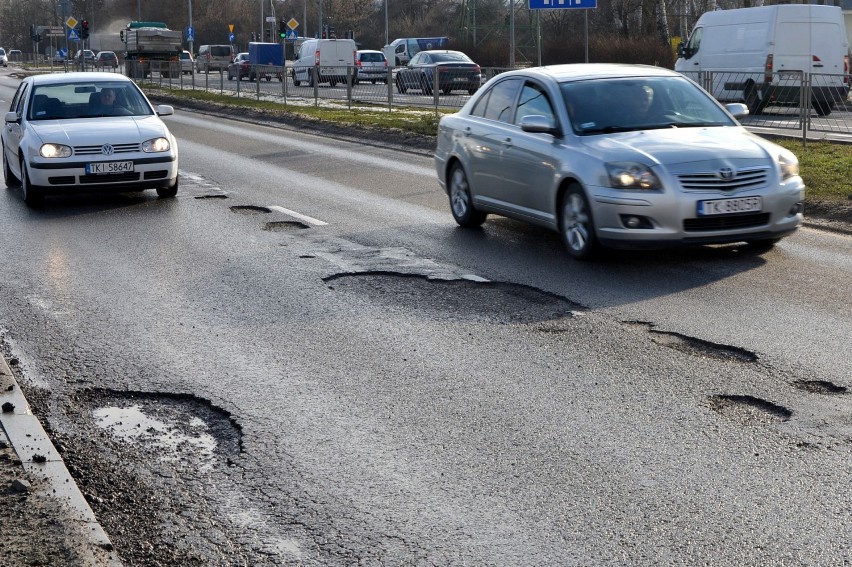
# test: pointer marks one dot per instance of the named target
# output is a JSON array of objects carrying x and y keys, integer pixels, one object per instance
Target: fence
[{"x": 804, "y": 103}]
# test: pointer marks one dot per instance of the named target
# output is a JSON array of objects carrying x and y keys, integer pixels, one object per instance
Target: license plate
[
  {"x": 729, "y": 206},
  {"x": 460, "y": 79},
  {"x": 327, "y": 71},
  {"x": 109, "y": 167}
]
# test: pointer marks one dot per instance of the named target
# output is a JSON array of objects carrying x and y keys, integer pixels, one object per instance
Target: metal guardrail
[{"x": 804, "y": 103}]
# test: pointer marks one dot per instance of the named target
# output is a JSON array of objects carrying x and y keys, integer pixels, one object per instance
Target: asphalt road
[{"x": 302, "y": 360}]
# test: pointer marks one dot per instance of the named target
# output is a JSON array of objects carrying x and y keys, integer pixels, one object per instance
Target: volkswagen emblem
[
  {"x": 107, "y": 149},
  {"x": 726, "y": 173}
]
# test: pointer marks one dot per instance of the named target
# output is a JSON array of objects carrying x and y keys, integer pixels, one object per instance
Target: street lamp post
[{"x": 386, "y": 21}]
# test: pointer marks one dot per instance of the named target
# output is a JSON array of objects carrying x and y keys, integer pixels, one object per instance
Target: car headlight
[
  {"x": 631, "y": 175},
  {"x": 156, "y": 145},
  {"x": 789, "y": 165},
  {"x": 54, "y": 151}
]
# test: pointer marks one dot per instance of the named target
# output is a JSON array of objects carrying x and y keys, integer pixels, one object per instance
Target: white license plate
[
  {"x": 460, "y": 79},
  {"x": 109, "y": 167},
  {"x": 327, "y": 71},
  {"x": 729, "y": 206}
]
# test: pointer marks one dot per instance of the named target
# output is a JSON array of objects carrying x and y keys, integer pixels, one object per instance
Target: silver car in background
[{"x": 616, "y": 156}]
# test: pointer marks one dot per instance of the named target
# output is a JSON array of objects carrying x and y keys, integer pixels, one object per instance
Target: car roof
[
  {"x": 584, "y": 71},
  {"x": 80, "y": 77}
]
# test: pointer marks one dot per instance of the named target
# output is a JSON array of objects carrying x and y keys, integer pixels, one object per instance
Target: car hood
[
  {"x": 673, "y": 146},
  {"x": 89, "y": 131}
]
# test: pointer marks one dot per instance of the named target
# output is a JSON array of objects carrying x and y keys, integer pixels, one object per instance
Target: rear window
[
  {"x": 372, "y": 57},
  {"x": 220, "y": 51}
]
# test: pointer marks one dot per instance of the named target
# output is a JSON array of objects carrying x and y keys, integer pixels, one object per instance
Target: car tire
[
  {"x": 230, "y": 77},
  {"x": 168, "y": 192},
  {"x": 32, "y": 195},
  {"x": 447, "y": 91},
  {"x": 425, "y": 86},
  {"x": 8, "y": 176},
  {"x": 461, "y": 202},
  {"x": 400, "y": 86},
  {"x": 753, "y": 100},
  {"x": 576, "y": 224},
  {"x": 296, "y": 82},
  {"x": 822, "y": 107},
  {"x": 762, "y": 244}
]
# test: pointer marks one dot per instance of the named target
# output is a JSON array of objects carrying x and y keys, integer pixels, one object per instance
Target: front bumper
[{"x": 154, "y": 172}]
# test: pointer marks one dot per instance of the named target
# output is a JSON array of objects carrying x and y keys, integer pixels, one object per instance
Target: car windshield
[
  {"x": 600, "y": 106},
  {"x": 87, "y": 100}
]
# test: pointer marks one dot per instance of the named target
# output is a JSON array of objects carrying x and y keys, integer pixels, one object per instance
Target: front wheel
[
  {"x": 32, "y": 195},
  {"x": 425, "y": 86},
  {"x": 8, "y": 176},
  {"x": 753, "y": 99},
  {"x": 576, "y": 224},
  {"x": 461, "y": 202},
  {"x": 168, "y": 192},
  {"x": 400, "y": 85}
]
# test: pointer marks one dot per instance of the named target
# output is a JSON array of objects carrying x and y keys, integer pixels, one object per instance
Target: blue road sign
[
  {"x": 73, "y": 34},
  {"x": 231, "y": 37},
  {"x": 292, "y": 34},
  {"x": 63, "y": 52},
  {"x": 190, "y": 33},
  {"x": 562, "y": 4}
]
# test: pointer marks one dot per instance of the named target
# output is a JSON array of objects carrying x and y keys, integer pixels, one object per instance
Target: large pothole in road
[
  {"x": 694, "y": 346},
  {"x": 459, "y": 299},
  {"x": 749, "y": 410}
]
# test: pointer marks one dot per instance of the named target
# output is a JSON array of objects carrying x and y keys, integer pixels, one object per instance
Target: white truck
[
  {"x": 151, "y": 46},
  {"x": 401, "y": 50},
  {"x": 761, "y": 55}
]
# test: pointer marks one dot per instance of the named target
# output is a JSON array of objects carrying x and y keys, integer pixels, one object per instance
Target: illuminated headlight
[
  {"x": 54, "y": 151},
  {"x": 156, "y": 145},
  {"x": 629, "y": 175},
  {"x": 789, "y": 165}
]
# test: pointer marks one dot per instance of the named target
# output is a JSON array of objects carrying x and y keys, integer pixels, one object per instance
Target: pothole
[
  {"x": 284, "y": 226},
  {"x": 172, "y": 426},
  {"x": 216, "y": 196},
  {"x": 250, "y": 209},
  {"x": 820, "y": 387},
  {"x": 748, "y": 410},
  {"x": 456, "y": 298},
  {"x": 695, "y": 346}
]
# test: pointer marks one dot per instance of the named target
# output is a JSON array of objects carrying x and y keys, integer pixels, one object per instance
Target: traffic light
[
  {"x": 268, "y": 34},
  {"x": 253, "y": 36},
  {"x": 121, "y": 35},
  {"x": 84, "y": 28},
  {"x": 32, "y": 33},
  {"x": 38, "y": 38}
]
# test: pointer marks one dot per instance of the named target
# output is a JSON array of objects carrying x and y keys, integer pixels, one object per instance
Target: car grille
[
  {"x": 711, "y": 180},
  {"x": 727, "y": 222},
  {"x": 109, "y": 178},
  {"x": 96, "y": 150}
]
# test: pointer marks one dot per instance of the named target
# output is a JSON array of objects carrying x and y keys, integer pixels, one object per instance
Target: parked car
[
  {"x": 106, "y": 59},
  {"x": 187, "y": 63},
  {"x": 15, "y": 55},
  {"x": 86, "y": 131},
  {"x": 240, "y": 68},
  {"x": 455, "y": 71},
  {"x": 370, "y": 65},
  {"x": 618, "y": 156},
  {"x": 4, "y": 60}
]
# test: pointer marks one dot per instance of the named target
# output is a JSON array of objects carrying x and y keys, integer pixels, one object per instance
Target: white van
[
  {"x": 758, "y": 55},
  {"x": 332, "y": 59}
]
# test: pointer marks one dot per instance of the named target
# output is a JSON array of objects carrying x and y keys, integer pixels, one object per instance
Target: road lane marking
[{"x": 307, "y": 219}]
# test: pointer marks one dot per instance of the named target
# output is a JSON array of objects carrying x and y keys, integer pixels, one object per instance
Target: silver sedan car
[
  {"x": 74, "y": 132},
  {"x": 618, "y": 156}
]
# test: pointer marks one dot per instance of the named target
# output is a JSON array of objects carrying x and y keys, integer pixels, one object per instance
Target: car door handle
[
  {"x": 467, "y": 131},
  {"x": 507, "y": 142}
]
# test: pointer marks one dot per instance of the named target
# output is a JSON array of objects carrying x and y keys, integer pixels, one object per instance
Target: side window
[
  {"x": 21, "y": 88},
  {"x": 416, "y": 60},
  {"x": 534, "y": 101},
  {"x": 481, "y": 105},
  {"x": 694, "y": 41},
  {"x": 501, "y": 100},
  {"x": 19, "y": 107}
]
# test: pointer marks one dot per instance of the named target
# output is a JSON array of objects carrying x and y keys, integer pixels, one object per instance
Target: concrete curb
[{"x": 28, "y": 438}]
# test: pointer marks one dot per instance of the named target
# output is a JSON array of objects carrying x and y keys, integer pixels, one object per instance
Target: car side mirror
[
  {"x": 165, "y": 110},
  {"x": 12, "y": 117},
  {"x": 537, "y": 124},
  {"x": 737, "y": 109}
]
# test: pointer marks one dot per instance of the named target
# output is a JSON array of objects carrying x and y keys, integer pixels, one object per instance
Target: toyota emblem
[{"x": 726, "y": 173}]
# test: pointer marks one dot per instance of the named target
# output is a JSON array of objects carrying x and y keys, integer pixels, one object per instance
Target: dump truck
[{"x": 151, "y": 46}]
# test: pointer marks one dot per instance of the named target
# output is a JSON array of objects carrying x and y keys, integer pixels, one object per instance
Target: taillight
[
  {"x": 767, "y": 78},
  {"x": 358, "y": 63},
  {"x": 846, "y": 69},
  {"x": 316, "y": 57}
]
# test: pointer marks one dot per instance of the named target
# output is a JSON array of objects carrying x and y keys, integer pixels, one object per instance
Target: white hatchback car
[
  {"x": 622, "y": 156},
  {"x": 79, "y": 132}
]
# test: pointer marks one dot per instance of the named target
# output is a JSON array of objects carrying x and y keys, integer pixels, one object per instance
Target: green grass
[{"x": 826, "y": 167}]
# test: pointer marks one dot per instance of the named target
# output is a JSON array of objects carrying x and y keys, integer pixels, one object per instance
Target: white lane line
[{"x": 307, "y": 219}]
